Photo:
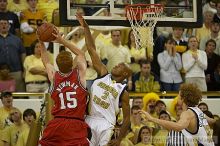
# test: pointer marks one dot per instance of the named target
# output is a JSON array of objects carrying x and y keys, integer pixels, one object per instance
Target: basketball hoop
[{"x": 143, "y": 18}]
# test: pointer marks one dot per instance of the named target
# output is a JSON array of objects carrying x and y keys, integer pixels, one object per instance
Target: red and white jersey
[{"x": 70, "y": 97}]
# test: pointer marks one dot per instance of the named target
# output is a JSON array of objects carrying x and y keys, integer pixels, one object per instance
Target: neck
[
  {"x": 4, "y": 34},
  {"x": 117, "y": 79},
  {"x": 184, "y": 107},
  {"x": 8, "y": 108},
  {"x": 18, "y": 123},
  {"x": 193, "y": 49},
  {"x": 176, "y": 38},
  {"x": 37, "y": 55},
  {"x": 209, "y": 54},
  {"x": 207, "y": 24},
  {"x": 214, "y": 35},
  {"x": 3, "y": 10},
  {"x": 33, "y": 9}
]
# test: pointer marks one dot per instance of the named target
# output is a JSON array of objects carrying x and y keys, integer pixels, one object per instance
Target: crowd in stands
[{"x": 179, "y": 55}]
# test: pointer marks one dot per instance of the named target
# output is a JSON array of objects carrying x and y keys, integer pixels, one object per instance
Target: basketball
[{"x": 45, "y": 32}]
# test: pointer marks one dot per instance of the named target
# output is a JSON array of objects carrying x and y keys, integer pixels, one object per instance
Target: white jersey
[
  {"x": 203, "y": 133},
  {"x": 104, "y": 102}
]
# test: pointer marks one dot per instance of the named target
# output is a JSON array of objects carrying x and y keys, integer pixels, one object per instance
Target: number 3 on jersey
[{"x": 71, "y": 102}]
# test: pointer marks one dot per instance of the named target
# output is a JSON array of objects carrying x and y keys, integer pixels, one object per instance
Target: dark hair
[
  {"x": 5, "y": 93},
  {"x": 129, "y": 40},
  {"x": 160, "y": 101},
  {"x": 4, "y": 66},
  {"x": 29, "y": 112},
  {"x": 210, "y": 41},
  {"x": 4, "y": 17},
  {"x": 144, "y": 61},
  {"x": 164, "y": 112},
  {"x": 190, "y": 94},
  {"x": 32, "y": 47},
  {"x": 169, "y": 40},
  {"x": 139, "y": 133},
  {"x": 115, "y": 30},
  {"x": 203, "y": 103},
  {"x": 135, "y": 107}
]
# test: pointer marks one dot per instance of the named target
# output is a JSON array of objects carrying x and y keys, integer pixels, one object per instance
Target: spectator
[
  {"x": 181, "y": 43},
  {"x": 12, "y": 53},
  {"x": 136, "y": 121},
  {"x": 195, "y": 64},
  {"x": 203, "y": 106},
  {"x": 11, "y": 133},
  {"x": 159, "y": 138},
  {"x": 170, "y": 66},
  {"x": 160, "y": 106},
  {"x": 217, "y": 15},
  {"x": 144, "y": 137},
  {"x": 207, "y": 20},
  {"x": 150, "y": 100},
  {"x": 7, "y": 102},
  {"x": 11, "y": 17},
  {"x": 137, "y": 54},
  {"x": 144, "y": 81},
  {"x": 35, "y": 73},
  {"x": 115, "y": 52},
  {"x": 7, "y": 82},
  {"x": 213, "y": 61},
  {"x": 217, "y": 75},
  {"x": 17, "y": 6},
  {"x": 214, "y": 34},
  {"x": 31, "y": 18},
  {"x": 138, "y": 101},
  {"x": 29, "y": 116},
  {"x": 48, "y": 6}
]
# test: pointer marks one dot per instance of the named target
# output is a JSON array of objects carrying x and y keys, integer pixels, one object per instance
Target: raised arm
[
  {"x": 96, "y": 61},
  {"x": 46, "y": 61}
]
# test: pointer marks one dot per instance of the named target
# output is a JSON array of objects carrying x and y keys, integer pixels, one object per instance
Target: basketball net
[{"x": 143, "y": 18}]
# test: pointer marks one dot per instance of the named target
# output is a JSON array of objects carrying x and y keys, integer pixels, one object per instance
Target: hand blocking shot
[{"x": 106, "y": 93}]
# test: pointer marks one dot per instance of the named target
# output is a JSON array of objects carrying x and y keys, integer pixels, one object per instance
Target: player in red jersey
[{"x": 70, "y": 96}]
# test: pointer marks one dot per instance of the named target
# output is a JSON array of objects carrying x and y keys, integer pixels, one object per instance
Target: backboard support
[{"x": 111, "y": 13}]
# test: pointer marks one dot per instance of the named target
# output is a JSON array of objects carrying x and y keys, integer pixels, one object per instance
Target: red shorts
[{"x": 65, "y": 132}]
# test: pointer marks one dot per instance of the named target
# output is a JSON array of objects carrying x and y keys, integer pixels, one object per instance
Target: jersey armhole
[{"x": 197, "y": 119}]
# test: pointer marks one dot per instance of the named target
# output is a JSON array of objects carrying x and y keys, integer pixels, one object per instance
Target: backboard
[{"x": 179, "y": 13}]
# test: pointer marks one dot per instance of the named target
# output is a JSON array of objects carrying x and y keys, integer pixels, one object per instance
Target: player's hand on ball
[{"x": 59, "y": 36}]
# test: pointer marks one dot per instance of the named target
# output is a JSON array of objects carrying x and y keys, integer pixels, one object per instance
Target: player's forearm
[
  {"x": 45, "y": 57},
  {"x": 124, "y": 128},
  {"x": 168, "y": 124}
]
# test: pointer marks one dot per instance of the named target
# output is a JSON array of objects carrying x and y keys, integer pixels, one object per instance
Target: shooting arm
[{"x": 46, "y": 61}]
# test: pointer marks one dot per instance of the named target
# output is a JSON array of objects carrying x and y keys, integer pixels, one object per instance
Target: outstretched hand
[
  {"x": 81, "y": 20},
  {"x": 146, "y": 115}
]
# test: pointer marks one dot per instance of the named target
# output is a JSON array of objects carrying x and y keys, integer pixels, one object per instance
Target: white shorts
[{"x": 101, "y": 129}]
